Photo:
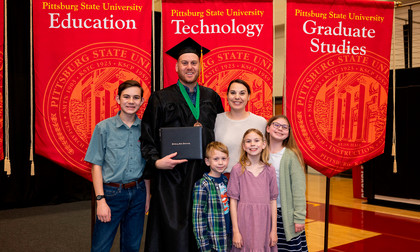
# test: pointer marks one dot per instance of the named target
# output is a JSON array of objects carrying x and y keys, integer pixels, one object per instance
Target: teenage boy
[
  {"x": 211, "y": 217},
  {"x": 122, "y": 196}
]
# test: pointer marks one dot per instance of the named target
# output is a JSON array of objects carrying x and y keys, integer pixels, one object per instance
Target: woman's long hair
[
  {"x": 289, "y": 142},
  {"x": 244, "y": 160}
]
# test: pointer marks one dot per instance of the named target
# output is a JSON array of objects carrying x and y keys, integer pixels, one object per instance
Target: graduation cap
[{"x": 188, "y": 45}]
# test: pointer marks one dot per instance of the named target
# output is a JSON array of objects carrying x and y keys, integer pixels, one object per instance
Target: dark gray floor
[{"x": 64, "y": 227}]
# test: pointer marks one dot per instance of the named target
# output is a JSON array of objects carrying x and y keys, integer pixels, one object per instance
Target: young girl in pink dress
[{"x": 253, "y": 191}]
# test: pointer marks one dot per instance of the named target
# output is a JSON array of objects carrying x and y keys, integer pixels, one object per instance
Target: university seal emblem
[
  {"x": 340, "y": 108},
  {"x": 224, "y": 64},
  {"x": 82, "y": 90}
]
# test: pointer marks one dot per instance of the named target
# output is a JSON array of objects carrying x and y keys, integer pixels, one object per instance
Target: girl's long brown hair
[
  {"x": 289, "y": 142},
  {"x": 244, "y": 160}
]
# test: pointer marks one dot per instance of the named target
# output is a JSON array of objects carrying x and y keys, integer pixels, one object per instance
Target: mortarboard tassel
[{"x": 202, "y": 67}]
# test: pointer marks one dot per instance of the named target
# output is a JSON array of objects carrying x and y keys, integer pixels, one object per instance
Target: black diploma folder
[{"x": 187, "y": 141}]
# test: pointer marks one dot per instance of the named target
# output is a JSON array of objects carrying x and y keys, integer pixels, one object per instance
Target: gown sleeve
[
  {"x": 219, "y": 105},
  {"x": 150, "y": 125}
]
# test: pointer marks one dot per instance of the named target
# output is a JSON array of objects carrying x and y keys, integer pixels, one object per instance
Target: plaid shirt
[{"x": 208, "y": 218}]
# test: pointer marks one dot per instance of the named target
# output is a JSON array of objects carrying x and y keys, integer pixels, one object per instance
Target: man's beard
[{"x": 185, "y": 81}]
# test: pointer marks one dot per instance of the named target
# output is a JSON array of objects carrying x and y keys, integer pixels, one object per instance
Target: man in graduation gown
[{"x": 185, "y": 103}]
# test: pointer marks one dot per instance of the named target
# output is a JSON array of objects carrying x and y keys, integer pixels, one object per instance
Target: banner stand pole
[{"x": 327, "y": 208}]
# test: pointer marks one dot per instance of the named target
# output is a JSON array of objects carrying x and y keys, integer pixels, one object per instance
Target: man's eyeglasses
[{"x": 280, "y": 126}]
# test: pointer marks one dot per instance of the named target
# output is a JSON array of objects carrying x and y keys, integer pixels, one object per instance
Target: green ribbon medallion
[{"x": 194, "y": 109}]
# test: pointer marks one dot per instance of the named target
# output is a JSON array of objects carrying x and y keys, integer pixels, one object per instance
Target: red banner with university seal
[
  {"x": 337, "y": 72},
  {"x": 239, "y": 35},
  {"x": 1, "y": 79},
  {"x": 82, "y": 51}
]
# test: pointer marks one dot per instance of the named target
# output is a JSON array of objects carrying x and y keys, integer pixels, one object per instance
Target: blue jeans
[{"x": 127, "y": 208}]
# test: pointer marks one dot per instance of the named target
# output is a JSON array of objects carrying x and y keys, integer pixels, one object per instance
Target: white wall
[{"x": 279, "y": 14}]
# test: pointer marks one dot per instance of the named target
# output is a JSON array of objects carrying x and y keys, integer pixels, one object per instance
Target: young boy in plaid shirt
[{"x": 211, "y": 218}]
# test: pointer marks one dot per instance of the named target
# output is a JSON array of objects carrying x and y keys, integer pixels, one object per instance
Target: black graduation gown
[{"x": 169, "y": 226}]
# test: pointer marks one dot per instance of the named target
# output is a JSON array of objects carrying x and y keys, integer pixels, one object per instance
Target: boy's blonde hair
[
  {"x": 243, "y": 159},
  {"x": 215, "y": 145}
]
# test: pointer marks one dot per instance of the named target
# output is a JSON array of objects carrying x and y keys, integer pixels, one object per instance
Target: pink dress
[{"x": 254, "y": 213}]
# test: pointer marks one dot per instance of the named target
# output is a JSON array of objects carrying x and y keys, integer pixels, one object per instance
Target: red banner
[
  {"x": 82, "y": 51},
  {"x": 337, "y": 72},
  {"x": 239, "y": 35},
  {"x": 1, "y": 78}
]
